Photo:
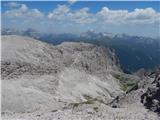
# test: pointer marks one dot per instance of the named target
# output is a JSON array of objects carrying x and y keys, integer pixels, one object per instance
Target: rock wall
[{"x": 151, "y": 98}]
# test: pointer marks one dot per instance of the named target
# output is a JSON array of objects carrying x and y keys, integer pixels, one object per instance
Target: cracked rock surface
[{"x": 151, "y": 98}]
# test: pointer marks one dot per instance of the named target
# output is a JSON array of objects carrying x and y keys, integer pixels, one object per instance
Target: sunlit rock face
[{"x": 34, "y": 71}]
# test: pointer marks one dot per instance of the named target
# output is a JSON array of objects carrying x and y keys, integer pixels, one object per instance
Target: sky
[{"x": 133, "y": 18}]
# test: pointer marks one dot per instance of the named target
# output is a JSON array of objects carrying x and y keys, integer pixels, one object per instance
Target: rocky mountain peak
[
  {"x": 69, "y": 67},
  {"x": 72, "y": 80}
]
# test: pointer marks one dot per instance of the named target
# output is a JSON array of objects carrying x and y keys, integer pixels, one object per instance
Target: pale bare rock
[{"x": 68, "y": 81}]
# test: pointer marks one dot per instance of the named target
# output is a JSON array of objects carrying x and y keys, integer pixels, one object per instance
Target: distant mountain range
[{"x": 134, "y": 52}]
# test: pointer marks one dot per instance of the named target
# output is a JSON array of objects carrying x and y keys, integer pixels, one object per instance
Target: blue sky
[
  {"x": 94, "y": 6},
  {"x": 135, "y": 18}
]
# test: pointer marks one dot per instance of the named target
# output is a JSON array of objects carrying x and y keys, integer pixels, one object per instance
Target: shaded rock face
[{"x": 151, "y": 98}]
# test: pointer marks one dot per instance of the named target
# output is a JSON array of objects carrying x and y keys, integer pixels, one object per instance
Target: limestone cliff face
[{"x": 53, "y": 75}]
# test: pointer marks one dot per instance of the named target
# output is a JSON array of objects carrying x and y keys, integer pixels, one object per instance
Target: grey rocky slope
[
  {"x": 68, "y": 81},
  {"x": 151, "y": 98},
  {"x": 68, "y": 72}
]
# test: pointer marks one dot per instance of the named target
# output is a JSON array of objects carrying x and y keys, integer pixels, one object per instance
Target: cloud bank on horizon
[{"x": 65, "y": 18}]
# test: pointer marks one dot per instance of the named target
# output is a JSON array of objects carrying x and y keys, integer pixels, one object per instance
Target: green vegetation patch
[
  {"x": 95, "y": 109},
  {"x": 87, "y": 97},
  {"x": 126, "y": 83},
  {"x": 91, "y": 101}
]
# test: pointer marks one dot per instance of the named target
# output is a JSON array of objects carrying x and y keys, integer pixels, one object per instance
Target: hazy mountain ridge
[{"x": 134, "y": 52}]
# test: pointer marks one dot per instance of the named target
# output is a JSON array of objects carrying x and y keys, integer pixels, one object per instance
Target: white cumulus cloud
[
  {"x": 111, "y": 16},
  {"x": 105, "y": 15},
  {"x": 35, "y": 13},
  {"x": 138, "y": 16},
  {"x": 81, "y": 16},
  {"x": 22, "y": 11},
  {"x": 12, "y": 4},
  {"x": 59, "y": 13},
  {"x": 64, "y": 13},
  {"x": 72, "y": 1}
]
